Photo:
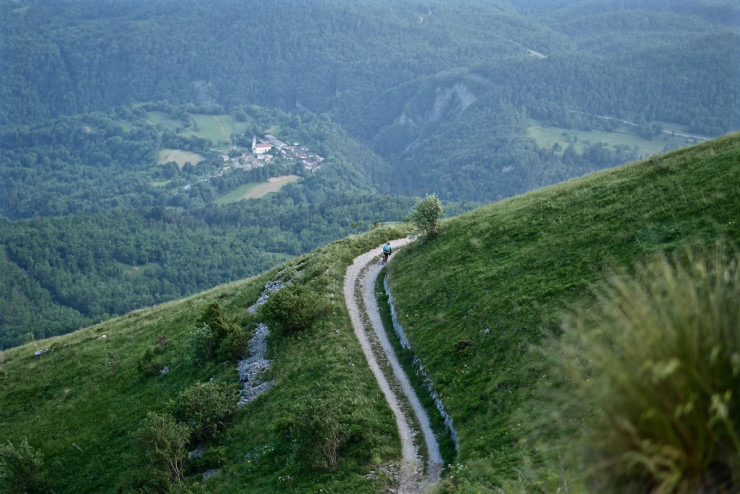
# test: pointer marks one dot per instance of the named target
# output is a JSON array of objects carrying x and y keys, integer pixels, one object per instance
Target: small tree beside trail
[{"x": 426, "y": 215}]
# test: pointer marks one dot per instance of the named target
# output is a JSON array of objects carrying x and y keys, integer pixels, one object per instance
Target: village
[{"x": 261, "y": 154}]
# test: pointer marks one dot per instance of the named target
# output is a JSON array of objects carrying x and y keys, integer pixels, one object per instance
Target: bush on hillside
[
  {"x": 653, "y": 378},
  {"x": 318, "y": 434},
  {"x": 234, "y": 344},
  {"x": 426, "y": 215},
  {"x": 21, "y": 468},
  {"x": 215, "y": 337},
  {"x": 293, "y": 308},
  {"x": 150, "y": 363},
  {"x": 203, "y": 343},
  {"x": 152, "y": 360},
  {"x": 215, "y": 317},
  {"x": 160, "y": 452},
  {"x": 206, "y": 406}
]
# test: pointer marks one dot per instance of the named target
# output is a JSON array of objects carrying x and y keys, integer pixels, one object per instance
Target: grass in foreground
[{"x": 649, "y": 379}]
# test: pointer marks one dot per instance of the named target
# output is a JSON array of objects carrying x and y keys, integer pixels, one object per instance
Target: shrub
[
  {"x": 161, "y": 446},
  {"x": 216, "y": 338},
  {"x": 318, "y": 434},
  {"x": 426, "y": 215},
  {"x": 654, "y": 375},
  {"x": 21, "y": 468},
  {"x": 213, "y": 457},
  {"x": 215, "y": 317},
  {"x": 234, "y": 345},
  {"x": 203, "y": 344},
  {"x": 150, "y": 363},
  {"x": 206, "y": 407},
  {"x": 293, "y": 308}
]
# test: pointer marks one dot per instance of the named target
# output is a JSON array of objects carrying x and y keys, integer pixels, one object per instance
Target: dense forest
[
  {"x": 402, "y": 99},
  {"x": 60, "y": 274},
  {"x": 88, "y": 236}
]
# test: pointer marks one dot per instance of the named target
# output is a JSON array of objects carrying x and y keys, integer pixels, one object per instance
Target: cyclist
[{"x": 386, "y": 251}]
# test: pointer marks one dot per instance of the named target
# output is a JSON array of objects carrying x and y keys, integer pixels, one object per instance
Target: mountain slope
[
  {"x": 472, "y": 300},
  {"x": 499, "y": 279},
  {"x": 80, "y": 400}
]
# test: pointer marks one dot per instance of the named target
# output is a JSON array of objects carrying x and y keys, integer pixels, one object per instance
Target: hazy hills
[{"x": 423, "y": 84}]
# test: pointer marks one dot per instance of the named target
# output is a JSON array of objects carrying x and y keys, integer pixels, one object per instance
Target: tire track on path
[{"x": 411, "y": 418}]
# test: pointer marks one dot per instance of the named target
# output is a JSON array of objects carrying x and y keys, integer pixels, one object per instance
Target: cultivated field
[{"x": 255, "y": 191}]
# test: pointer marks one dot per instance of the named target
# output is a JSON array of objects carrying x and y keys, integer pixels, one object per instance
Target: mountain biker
[{"x": 386, "y": 251}]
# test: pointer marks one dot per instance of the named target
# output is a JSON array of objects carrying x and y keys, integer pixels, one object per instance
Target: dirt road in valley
[{"x": 411, "y": 418}]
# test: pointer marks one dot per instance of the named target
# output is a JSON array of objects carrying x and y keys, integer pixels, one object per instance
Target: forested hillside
[
  {"x": 101, "y": 228},
  {"x": 442, "y": 91}
]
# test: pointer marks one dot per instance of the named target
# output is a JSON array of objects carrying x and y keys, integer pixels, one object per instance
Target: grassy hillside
[
  {"x": 80, "y": 401},
  {"x": 499, "y": 279},
  {"x": 473, "y": 301}
]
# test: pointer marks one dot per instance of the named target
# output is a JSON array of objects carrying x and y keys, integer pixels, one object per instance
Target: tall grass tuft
[{"x": 653, "y": 377}]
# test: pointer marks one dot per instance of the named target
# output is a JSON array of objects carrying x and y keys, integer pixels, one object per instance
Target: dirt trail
[{"x": 411, "y": 418}]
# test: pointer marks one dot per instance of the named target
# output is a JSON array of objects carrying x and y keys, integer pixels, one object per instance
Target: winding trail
[{"x": 411, "y": 418}]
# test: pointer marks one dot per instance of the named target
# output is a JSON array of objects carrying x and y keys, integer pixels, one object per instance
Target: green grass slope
[
  {"x": 79, "y": 402},
  {"x": 499, "y": 279}
]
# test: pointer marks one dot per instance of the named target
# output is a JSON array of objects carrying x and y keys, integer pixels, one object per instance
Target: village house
[{"x": 274, "y": 141}]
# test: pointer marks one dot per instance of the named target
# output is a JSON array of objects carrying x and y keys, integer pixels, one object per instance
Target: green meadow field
[
  {"x": 547, "y": 137},
  {"x": 180, "y": 157},
  {"x": 215, "y": 128}
]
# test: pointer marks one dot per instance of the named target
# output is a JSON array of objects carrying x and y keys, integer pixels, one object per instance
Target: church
[{"x": 259, "y": 148}]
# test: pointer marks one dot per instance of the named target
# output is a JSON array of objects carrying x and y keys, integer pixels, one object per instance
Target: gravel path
[{"x": 411, "y": 418}]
